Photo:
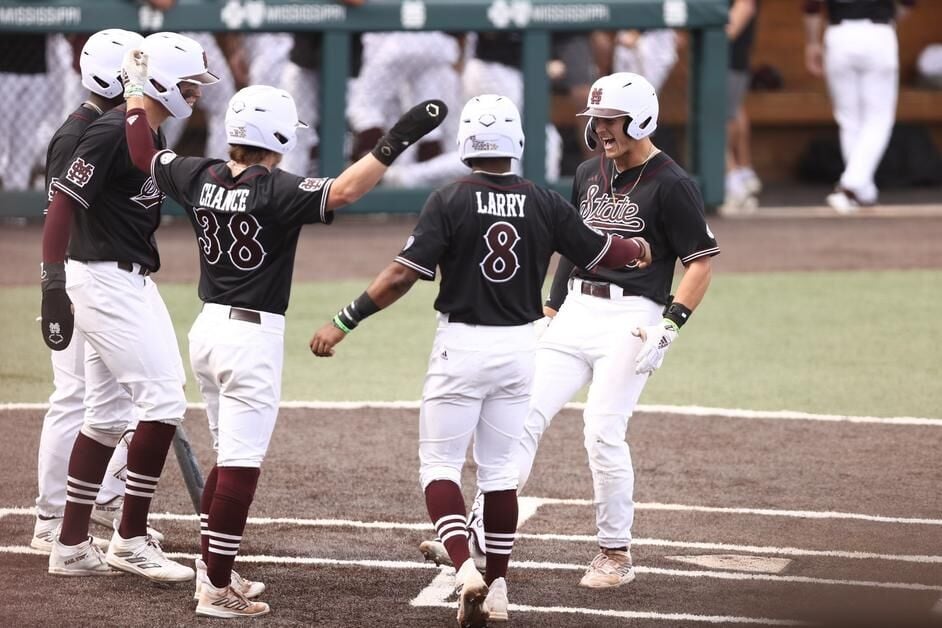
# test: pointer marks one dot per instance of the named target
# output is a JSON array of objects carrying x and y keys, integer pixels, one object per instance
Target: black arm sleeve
[{"x": 560, "y": 284}]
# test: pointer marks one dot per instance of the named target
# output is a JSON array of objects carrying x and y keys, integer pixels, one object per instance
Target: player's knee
[
  {"x": 608, "y": 453},
  {"x": 497, "y": 479},
  {"x": 108, "y": 435},
  {"x": 163, "y": 401},
  {"x": 431, "y": 473}
]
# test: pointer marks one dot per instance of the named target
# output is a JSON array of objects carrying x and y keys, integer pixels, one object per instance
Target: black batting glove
[
  {"x": 411, "y": 127},
  {"x": 58, "y": 320}
]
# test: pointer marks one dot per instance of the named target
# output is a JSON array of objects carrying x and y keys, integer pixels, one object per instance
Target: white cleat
[
  {"x": 435, "y": 551},
  {"x": 227, "y": 603},
  {"x": 142, "y": 555},
  {"x": 84, "y": 559},
  {"x": 609, "y": 568},
  {"x": 109, "y": 516},
  {"x": 472, "y": 595},
  {"x": 497, "y": 601},
  {"x": 46, "y": 530},
  {"x": 249, "y": 588}
]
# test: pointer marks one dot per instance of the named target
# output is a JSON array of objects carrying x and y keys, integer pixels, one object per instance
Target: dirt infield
[
  {"x": 358, "y": 247},
  {"x": 850, "y": 508}
]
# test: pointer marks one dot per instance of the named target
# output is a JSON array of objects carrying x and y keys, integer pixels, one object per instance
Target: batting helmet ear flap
[{"x": 590, "y": 136}]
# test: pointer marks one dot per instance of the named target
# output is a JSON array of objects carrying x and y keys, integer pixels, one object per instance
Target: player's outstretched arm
[
  {"x": 362, "y": 176},
  {"x": 386, "y": 289},
  {"x": 137, "y": 128}
]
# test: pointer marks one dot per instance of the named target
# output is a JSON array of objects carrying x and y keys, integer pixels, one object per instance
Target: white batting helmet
[
  {"x": 171, "y": 59},
  {"x": 101, "y": 59},
  {"x": 489, "y": 127},
  {"x": 265, "y": 117},
  {"x": 622, "y": 94}
]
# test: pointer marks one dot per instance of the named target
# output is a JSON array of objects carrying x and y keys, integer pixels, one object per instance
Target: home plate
[{"x": 736, "y": 562}]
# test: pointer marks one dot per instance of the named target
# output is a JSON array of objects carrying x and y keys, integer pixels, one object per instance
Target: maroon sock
[
  {"x": 235, "y": 489},
  {"x": 446, "y": 508},
  {"x": 206, "y": 502},
  {"x": 146, "y": 456},
  {"x": 87, "y": 466},
  {"x": 500, "y": 526}
]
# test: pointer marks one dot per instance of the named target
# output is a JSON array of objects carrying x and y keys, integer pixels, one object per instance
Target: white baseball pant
[
  {"x": 861, "y": 62},
  {"x": 590, "y": 340},
  {"x": 132, "y": 358},
  {"x": 477, "y": 386},
  {"x": 238, "y": 367}
]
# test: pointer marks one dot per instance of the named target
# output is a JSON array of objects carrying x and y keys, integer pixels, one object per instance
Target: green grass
[{"x": 848, "y": 343}]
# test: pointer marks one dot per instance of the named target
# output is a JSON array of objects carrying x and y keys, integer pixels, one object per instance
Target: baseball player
[
  {"x": 492, "y": 234},
  {"x": 130, "y": 341},
  {"x": 614, "y": 327},
  {"x": 247, "y": 215},
  {"x": 859, "y": 59},
  {"x": 100, "y": 64}
]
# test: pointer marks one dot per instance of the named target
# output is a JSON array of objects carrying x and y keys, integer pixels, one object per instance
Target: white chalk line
[
  {"x": 690, "y": 411},
  {"x": 540, "y": 566},
  {"x": 564, "y": 538}
]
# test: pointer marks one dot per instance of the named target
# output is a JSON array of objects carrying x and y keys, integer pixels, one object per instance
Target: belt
[
  {"x": 602, "y": 290},
  {"x": 246, "y": 316},
  {"x": 129, "y": 267}
]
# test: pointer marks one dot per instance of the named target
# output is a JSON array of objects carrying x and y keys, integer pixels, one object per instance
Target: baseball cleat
[
  {"x": 609, "y": 568},
  {"x": 109, "y": 515},
  {"x": 477, "y": 545},
  {"x": 248, "y": 588},
  {"x": 472, "y": 596},
  {"x": 434, "y": 551},
  {"x": 497, "y": 601},
  {"x": 227, "y": 603},
  {"x": 46, "y": 530},
  {"x": 84, "y": 559},
  {"x": 142, "y": 555}
]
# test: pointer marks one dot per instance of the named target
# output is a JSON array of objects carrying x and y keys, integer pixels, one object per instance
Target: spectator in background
[
  {"x": 742, "y": 183},
  {"x": 25, "y": 81},
  {"x": 859, "y": 59},
  {"x": 652, "y": 54}
]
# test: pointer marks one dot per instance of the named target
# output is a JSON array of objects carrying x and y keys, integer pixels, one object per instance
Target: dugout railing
[{"x": 704, "y": 19}]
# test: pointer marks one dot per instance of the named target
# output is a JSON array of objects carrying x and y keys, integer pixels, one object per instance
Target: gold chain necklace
[{"x": 611, "y": 182}]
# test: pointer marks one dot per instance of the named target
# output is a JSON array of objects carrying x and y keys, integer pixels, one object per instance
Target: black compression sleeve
[{"x": 560, "y": 285}]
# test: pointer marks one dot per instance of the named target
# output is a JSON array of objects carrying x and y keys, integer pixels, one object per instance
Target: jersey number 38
[{"x": 245, "y": 252}]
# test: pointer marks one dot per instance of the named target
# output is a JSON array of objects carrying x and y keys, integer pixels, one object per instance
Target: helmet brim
[
  {"x": 206, "y": 78},
  {"x": 598, "y": 112}
]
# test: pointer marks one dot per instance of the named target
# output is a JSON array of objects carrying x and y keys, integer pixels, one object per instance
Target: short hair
[{"x": 248, "y": 155}]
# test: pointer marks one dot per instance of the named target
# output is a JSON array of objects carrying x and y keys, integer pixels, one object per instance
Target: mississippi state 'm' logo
[
  {"x": 596, "y": 97},
  {"x": 311, "y": 184},
  {"x": 80, "y": 172}
]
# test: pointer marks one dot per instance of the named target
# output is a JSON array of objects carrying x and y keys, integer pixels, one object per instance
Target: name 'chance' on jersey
[
  {"x": 246, "y": 226},
  {"x": 657, "y": 201},
  {"x": 492, "y": 236}
]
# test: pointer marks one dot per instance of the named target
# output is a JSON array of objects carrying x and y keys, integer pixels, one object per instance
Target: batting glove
[
  {"x": 134, "y": 73},
  {"x": 411, "y": 127},
  {"x": 656, "y": 340},
  {"x": 57, "y": 318}
]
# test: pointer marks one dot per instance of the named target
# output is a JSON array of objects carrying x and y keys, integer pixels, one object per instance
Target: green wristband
[
  {"x": 339, "y": 324},
  {"x": 133, "y": 90}
]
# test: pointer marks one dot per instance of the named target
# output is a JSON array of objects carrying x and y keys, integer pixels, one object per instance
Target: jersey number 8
[
  {"x": 501, "y": 263},
  {"x": 245, "y": 253}
]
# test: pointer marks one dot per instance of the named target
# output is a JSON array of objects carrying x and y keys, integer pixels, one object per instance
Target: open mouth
[{"x": 607, "y": 142}]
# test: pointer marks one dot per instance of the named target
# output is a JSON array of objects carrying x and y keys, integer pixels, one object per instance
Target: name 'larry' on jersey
[
  {"x": 215, "y": 197},
  {"x": 500, "y": 204}
]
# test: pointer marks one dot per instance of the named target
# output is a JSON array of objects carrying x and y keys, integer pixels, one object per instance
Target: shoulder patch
[
  {"x": 166, "y": 157},
  {"x": 311, "y": 184},
  {"x": 80, "y": 172}
]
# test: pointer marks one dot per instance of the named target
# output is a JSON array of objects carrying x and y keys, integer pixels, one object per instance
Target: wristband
[
  {"x": 131, "y": 91},
  {"x": 339, "y": 324},
  {"x": 678, "y": 314},
  {"x": 360, "y": 308}
]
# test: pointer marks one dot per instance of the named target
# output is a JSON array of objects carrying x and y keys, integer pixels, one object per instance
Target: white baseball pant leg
[
  {"x": 238, "y": 367},
  {"x": 477, "y": 385},
  {"x": 862, "y": 70},
  {"x": 131, "y": 346},
  {"x": 591, "y": 337},
  {"x": 61, "y": 425}
]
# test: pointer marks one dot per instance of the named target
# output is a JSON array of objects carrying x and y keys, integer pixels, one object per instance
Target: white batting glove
[
  {"x": 657, "y": 339},
  {"x": 134, "y": 72}
]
